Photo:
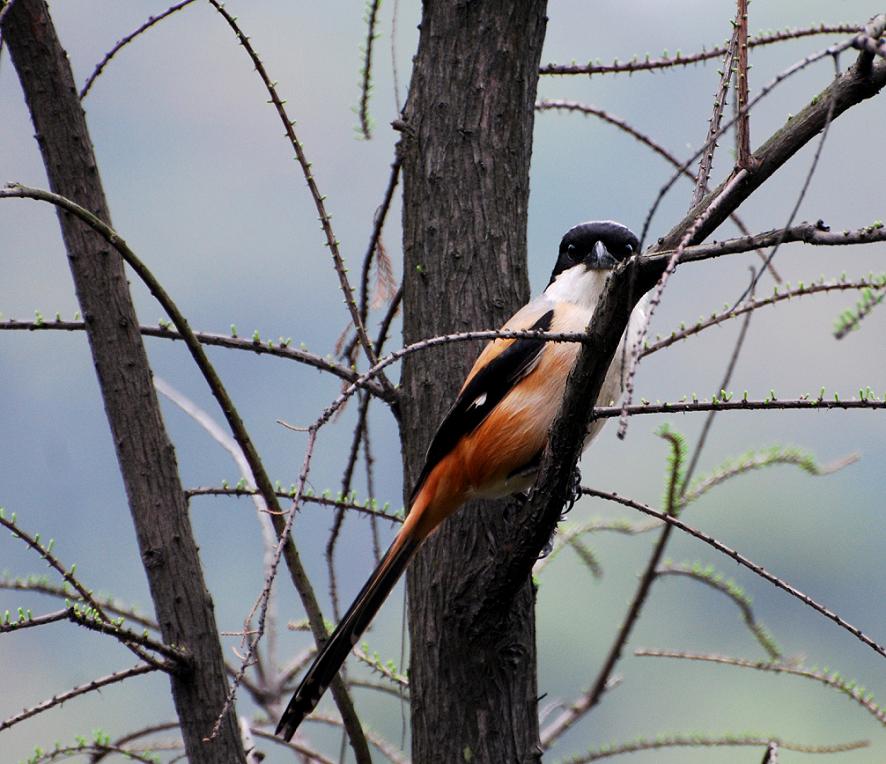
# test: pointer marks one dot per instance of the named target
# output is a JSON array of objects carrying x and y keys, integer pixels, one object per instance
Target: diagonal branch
[
  {"x": 848, "y": 90},
  {"x": 710, "y": 142},
  {"x": 100, "y": 66},
  {"x": 95, "y": 684}
]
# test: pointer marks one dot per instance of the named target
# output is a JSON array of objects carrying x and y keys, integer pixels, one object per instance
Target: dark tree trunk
[
  {"x": 147, "y": 459},
  {"x": 466, "y": 149}
]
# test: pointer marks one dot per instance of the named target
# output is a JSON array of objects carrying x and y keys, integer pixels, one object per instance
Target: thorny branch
[
  {"x": 667, "y": 62},
  {"x": 709, "y": 741},
  {"x": 95, "y": 684},
  {"x": 744, "y": 561},
  {"x": 319, "y": 199},
  {"x": 366, "y": 69},
  {"x": 281, "y": 349},
  {"x": 830, "y": 679},
  {"x": 710, "y": 142},
  {"x": 100, "y": 66}
]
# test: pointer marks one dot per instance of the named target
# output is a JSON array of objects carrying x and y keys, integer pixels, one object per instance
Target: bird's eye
[
  {"x": 570, "y": 251},
  {"x": 629, "y": 249}
]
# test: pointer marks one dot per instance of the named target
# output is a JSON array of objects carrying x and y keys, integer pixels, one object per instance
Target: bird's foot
[
  {"x": 573, "y": 495},
  {"x": 574, "y": 492}
]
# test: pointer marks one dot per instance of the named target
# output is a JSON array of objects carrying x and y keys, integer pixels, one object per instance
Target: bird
[{"x": 490, "y": 443}]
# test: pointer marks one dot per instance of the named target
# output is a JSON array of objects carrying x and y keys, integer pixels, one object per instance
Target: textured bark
[
  {"x": 466, "y": 151},
  {"x": 146, "y": 456}
]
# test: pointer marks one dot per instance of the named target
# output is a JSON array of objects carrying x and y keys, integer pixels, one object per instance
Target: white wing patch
[{"x": 480, "y": 400}]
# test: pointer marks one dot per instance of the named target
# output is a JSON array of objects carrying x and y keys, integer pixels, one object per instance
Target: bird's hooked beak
[{"x": 600, "y": 258}]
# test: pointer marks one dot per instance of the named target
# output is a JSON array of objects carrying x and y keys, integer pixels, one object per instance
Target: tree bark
[
  {"x": 467, "y": 142},
  {"x": 146, "y": 455}
]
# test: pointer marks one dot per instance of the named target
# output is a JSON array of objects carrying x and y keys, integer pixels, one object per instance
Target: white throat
[{"x": 578, "y": 285}]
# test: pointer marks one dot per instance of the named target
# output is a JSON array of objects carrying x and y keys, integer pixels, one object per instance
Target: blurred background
[{"x": 202, "y": 185}]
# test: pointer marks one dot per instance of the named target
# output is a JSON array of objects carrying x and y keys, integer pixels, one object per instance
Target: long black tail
[{"x": 346, "y": 634}]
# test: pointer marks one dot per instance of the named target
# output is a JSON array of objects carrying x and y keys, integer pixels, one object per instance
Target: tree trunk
[
  {"x": 147, "y": 459},
  {"x": 466, "y": 149}
]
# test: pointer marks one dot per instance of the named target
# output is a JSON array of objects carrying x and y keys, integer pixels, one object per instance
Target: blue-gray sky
[{"x": 203, "y": 186}]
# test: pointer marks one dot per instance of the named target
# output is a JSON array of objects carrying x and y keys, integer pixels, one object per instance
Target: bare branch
[
  {"x": 100, "y": 66},
  {"x": 706, "y": 741},
  {"x": 742, "y": 560},
  {"x": 296, "y": 745},
  {"x": 831, "y": 679},
  {"x": 95, "y": 684},
  {"x": 681, "y": 167},
  {"x": 849, "y": 89},
  {"x": 351, "y": 506},
  {"x": 710, "y": 142},
  {"x": 878, "y": 282},
  {"x": 817, "y": 234},
  {"x": 767, "y": 404},
  {"x": 667, "y": 62},
  {"x": 366, "y": 70},
  {"x": 743, "y": 126},
  {"x": 319, "y": 199},
  {"x": 281, "y": 349}
]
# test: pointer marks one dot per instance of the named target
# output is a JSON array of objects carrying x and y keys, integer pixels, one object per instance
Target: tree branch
[
  {"x": 95, "y": 684},
  {"x": 649, "y": 64},
  {"x": 849, "y": 89}
]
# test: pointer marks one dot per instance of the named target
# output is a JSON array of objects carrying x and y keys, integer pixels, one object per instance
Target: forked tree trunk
[
  {"x": 145, "y": 453},
  {"x": 466, "y": 147}
]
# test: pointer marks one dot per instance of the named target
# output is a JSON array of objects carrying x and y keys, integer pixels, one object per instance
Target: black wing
[{"x": 482, "y": 394}]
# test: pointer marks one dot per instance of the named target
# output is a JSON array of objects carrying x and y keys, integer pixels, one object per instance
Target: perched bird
[{"x": 491, "y": 441}]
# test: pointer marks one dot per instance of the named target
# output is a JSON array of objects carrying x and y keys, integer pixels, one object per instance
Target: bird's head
[{"x": 597, "y": 245}]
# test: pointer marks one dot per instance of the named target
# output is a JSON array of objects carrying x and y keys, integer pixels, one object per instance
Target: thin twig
[
  {"x": 586, "y": 109},
  {"x": 743, "y": 127},
  {"x": 755, "y": 304},
  {"x": 707, "y": 158},
  {"x": 831, "y": 679},
  {"x": 809, "y": 175},
  {"x": 389, "y": 673},
  {"x": 775, "y": 144},
  {"x": 816, "y": 234},
  {"x": 381, "y": 215},
  {"x": 319, "y": 199},
  {"x": 95, "y": 684},
  {"x": 703, "y": 215},
  {"x": 742, "y": 560},
  {"x": 100, "y": 66},
  {"x": 387, "y": 749},
  {"x": 766, "y": 404},
  {"x": 395, "y": 71},
  {"x": 724, "y": 385},
  {"x": 95, "y": 609},
  {"x": 351, "y": 506},
  {"x": 134, "y": 735},
  {"x": 369, "y": 463},
  {"x": 264, "y": 597},
  {"x": 281, "y": 349},
  {"x": 295, "y": 745},
  {"x": 707, "y": 741},
  {"x": 604, "y": 677},
  {"x": 44, "y": 586},
  {"x": 366, "y": 69},
  {"x": 649, "y": 64}
]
